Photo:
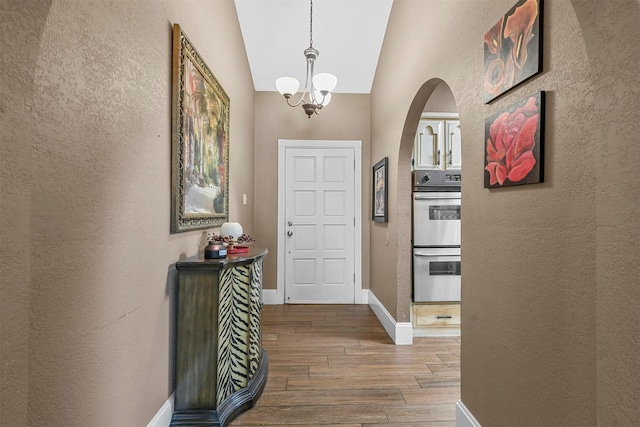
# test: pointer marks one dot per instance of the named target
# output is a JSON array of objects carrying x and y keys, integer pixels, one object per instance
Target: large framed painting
[
  {"x": 380, "y": 187},
  {"x": 513, "y": 48},
  {"x": 200, "y": 141},
  {"x": 514, "y": 148}
]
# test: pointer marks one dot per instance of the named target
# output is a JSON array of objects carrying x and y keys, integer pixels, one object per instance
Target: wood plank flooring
[{"x": 335, "y": 366}]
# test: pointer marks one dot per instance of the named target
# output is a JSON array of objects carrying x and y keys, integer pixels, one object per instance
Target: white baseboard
[
  {"x": 163, "y": 416},
  {"x": 364, "y": 297},
  {"x": 464, "y": 418},
  {"x": 400, "y": 332},
  {"x": 271, "y": 297},
  {"x": 404, "y": 333}
]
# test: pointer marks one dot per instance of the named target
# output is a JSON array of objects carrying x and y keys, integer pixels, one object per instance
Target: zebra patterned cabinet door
[
  {"x": 233, "y": 332},
  {"x": 255, "y": 317},
  {"x": 221, "y": 368}
]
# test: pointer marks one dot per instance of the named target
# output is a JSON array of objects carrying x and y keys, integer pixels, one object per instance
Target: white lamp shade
[
  {"x": 233, "y": 229},
  {"x": 287, "y": 85},
  {"x": 325, "y": 81},
  {"x": 318, "y": 96}
]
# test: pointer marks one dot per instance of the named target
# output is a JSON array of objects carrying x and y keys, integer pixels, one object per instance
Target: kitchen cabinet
[
  {"x": 436, "y": 319},
  {"x": 220, "y": 366},
  {"x": 436, "y": 315},
  {"x": 438, "y": 142}
]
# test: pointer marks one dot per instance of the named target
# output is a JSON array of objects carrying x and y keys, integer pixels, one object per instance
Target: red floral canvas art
[
  {"x": 513, "y": 48},
  {"x": 514, "y": 144}
]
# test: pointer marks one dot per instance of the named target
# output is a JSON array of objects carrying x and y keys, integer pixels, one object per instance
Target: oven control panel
[{"x": 437, "y": 180}]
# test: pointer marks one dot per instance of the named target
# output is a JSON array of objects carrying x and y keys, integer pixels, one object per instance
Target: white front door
[{"x": 319, "y": 225}]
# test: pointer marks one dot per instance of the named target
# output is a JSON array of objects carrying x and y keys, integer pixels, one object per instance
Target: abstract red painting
[
  {"x": 514, "y": 144},
  {"x": 513, "y": 48}
]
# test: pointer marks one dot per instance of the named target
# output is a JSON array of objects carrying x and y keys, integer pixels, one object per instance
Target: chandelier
[{"x": 318, "y": 87}]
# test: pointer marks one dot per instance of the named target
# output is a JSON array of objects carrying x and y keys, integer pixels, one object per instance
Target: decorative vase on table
[
  {"x": 215, "y": 250},
  {"x": 234, "y": 231}
]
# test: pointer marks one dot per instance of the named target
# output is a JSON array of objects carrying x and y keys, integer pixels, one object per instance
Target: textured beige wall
[
  {"x": 346, "y": 118},
  {"x": 23, "y": 22},
  {"x": 549, "y": 288},
  {"x": 86, "y": 249},
  {"x": 441, "y": 100},
  {"x": 611, "y": 32}
]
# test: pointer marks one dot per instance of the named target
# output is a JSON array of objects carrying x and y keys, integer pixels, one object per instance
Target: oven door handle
[
  {"x": 436, "y": 255},
  {"x": 431, "y": 254},
  {"x": 430, "y": 196}
]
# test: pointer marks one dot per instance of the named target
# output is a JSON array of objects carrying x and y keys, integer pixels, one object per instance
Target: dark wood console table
[{"x": 221, "y": 368}]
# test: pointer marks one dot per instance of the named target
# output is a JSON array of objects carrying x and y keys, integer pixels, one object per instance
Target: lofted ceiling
[{"x": 348, "y": 34}]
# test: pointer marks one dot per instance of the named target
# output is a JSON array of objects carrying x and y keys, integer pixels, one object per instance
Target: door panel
[
  {"x": 334, "y": 203},
  {"x": 335, "y": 272},
  {"x": 304, "y": 272},
  {"x": 334, "y": 237},
  {"x": 454, "y": 150},
  {"x": 320, "y": 229},
  {"x": 428, "y": 146},
  {"x": 304, "y": 239}
]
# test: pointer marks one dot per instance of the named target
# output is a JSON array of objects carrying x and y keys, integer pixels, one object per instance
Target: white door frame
[{"x": 283, "y": 145}]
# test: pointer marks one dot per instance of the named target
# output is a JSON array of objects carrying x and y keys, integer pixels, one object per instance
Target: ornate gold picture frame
[{"x": 200, "y": 141}]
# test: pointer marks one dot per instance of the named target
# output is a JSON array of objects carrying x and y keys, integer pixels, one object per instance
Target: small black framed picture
[{"x": 380, "y": 194}]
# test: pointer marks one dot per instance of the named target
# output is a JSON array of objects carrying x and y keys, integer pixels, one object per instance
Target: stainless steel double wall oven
[{"x": 436, "y": 235}]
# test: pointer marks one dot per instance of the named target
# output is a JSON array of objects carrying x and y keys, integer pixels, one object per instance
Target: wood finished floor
[{"x": 334, "y": 365}]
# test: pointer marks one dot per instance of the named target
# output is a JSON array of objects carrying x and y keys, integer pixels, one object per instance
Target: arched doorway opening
[{"x": 434, "y": 100}]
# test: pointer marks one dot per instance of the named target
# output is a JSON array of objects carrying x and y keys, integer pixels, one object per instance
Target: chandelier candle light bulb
[
  {"x": 287, "y": 86},
  {"x": 318, "y": 87},
  {"x": 325, "y": 82}
]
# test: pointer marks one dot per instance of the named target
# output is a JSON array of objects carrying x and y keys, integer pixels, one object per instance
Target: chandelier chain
[{"x": 311, "y": 25}]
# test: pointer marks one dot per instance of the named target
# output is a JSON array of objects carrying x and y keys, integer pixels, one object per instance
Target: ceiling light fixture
[{"x": 319, "y": 86}]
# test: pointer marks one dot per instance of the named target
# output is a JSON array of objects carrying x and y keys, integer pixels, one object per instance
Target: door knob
[{"x": 289, "y": 233}]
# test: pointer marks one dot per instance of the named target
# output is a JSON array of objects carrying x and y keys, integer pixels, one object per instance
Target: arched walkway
[{"x": 404, "y": 189}]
